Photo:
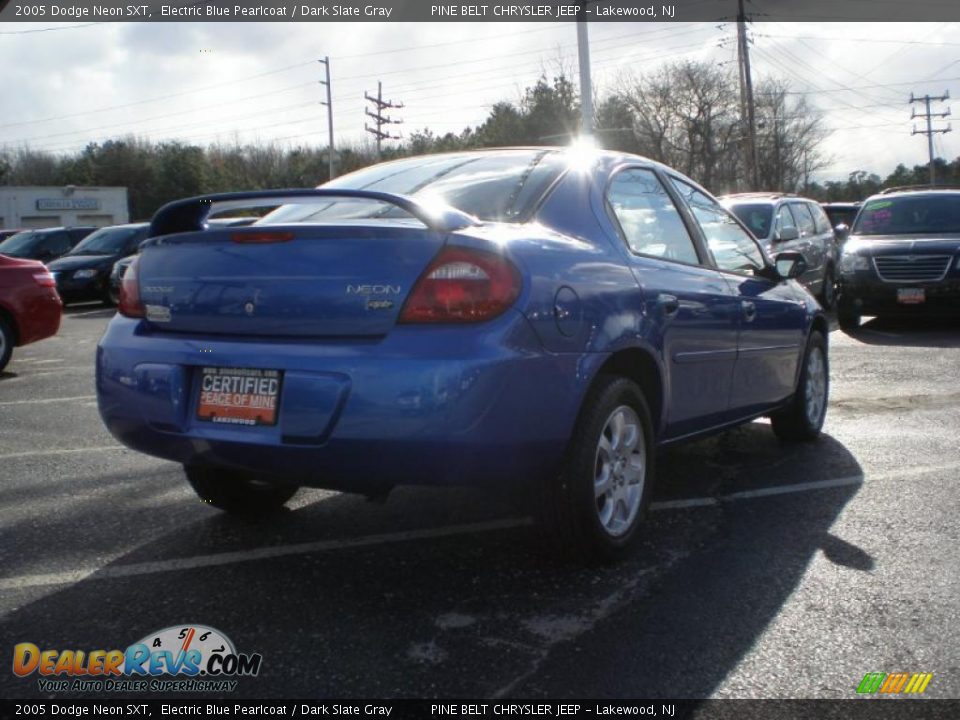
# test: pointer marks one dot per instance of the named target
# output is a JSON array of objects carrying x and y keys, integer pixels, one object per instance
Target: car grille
[{"x": 907, "y": 268}]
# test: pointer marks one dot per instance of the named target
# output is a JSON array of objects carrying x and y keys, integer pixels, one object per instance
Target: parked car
[
  {"x": 121, "y": 265},
  {"x": 44, "y": 244},
  {"x": 530, "y": 318},
  {"x": 787, "y": 222},
  {"x": 902, "y": 257},
  {"x": 29, "y": 307},
  {"x": 841, "y": 214},
  {"x": 84, "y": 272}
]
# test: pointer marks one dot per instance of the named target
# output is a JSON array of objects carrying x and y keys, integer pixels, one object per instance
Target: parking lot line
[
  {"x": 62, "y": 451},
  {"x": 228, "y": 558},
  {"x": 43, "y": 401}
]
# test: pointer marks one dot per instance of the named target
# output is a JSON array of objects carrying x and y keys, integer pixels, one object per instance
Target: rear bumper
[
  {"x": 40, "y": 317},
  {"x": 875, "y": 297},
  {"x": 473, "y": 405}
]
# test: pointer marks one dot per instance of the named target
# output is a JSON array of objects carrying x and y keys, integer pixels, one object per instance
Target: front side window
[
  {"x": 785, "y": 220},
  {"x": 733, "y": 248},
  {"x": 649, "y": 220}
]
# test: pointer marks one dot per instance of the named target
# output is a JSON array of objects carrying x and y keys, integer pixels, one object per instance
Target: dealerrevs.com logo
[{"x": 197, "y": 658}]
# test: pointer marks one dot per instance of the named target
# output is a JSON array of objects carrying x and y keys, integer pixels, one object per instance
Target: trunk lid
[{"x": 336, "y": 280}]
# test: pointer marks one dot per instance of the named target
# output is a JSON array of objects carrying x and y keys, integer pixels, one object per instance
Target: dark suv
[
  {"x": 786, "y": 222},
  {"x": 902, "y": 256},
  {"x": 44, "y": 244}
]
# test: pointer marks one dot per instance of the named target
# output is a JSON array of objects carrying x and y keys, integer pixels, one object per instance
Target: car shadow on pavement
[
  {"x": 461, "y": 613},
  {"x": 909, "y": 332}
]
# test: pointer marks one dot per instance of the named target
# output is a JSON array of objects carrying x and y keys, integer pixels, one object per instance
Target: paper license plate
[
  {"x": 239, "y": 396},
  {"x": 911, "y": 296}
]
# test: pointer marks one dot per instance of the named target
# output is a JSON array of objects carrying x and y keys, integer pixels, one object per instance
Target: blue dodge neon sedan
[{"x": 537, "y": 319}]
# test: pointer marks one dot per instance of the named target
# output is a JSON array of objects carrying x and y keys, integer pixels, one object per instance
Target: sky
[{"x": 67, "y": 85}]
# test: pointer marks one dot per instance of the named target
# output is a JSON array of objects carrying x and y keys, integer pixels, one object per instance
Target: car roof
[
  {"x": 600, "y": 159},
  {"x": 136, "y": 225},
  {"x": 916, "y": 190},
  {"x": 754, "y": 197}
]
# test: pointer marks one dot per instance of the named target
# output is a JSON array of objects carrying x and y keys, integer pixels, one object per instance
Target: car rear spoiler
[{"x": 190, "y": 215}]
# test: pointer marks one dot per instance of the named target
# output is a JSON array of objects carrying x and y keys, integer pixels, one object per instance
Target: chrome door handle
[{"x": 749, "y": 310}]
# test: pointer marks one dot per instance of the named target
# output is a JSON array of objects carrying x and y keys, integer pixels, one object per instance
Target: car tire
[
  {"x": 111, "y": 298},
  {"x": 7, "y": 341},
  {"x": 828, "y": 293},
  {"x": 847, "y": 317},
  {"x": 803, "y": 418},
  {"x": 593, "y": 508},
  {"x": 239, "y": 492}
]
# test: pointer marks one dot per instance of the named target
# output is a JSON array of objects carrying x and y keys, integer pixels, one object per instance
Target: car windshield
[
  {"x": 498, "y": 186},
  {"x": 910, "y": 215},
  {"x": 19, "y": 244},
  {"x": 106, "y": 241},
  {"x": 756, "y": 217}
]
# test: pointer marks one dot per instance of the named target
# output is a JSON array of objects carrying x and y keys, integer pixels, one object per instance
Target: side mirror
[
  {"x": 787, "y": 234},
  {"x": 841, "y": 232},
  {"x": 790, "y": 265}
]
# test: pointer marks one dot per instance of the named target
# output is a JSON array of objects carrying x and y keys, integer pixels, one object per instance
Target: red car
[{"x": 29, "y": 305}]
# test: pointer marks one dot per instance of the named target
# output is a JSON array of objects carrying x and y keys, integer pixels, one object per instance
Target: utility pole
[
  {"x": 380, "y": 104},
  {"x": 586, "y": 87},
  {"x": 930, "y": 131},
  {"x": 747, "y": 117},
  {"x": 332, "y": 162}
]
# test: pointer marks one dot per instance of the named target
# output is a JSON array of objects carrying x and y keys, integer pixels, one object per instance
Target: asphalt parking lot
[{"x": 765, "y": 570}]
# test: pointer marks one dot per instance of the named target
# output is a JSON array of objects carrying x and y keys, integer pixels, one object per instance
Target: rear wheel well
[{"x": 639, "y": 366}]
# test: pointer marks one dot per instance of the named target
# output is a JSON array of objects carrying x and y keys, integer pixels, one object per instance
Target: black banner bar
[
  {"x": 327, "y": 11},
  {"x": 854, "y": 709}
]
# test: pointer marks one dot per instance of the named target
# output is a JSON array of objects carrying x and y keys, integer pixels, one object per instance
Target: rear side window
[
  {"x": 820, "y": 219},
  {"x": 804, "y": 219},
  {"x": 733, "y": 248},
  {"x": 649, "y": 220}
]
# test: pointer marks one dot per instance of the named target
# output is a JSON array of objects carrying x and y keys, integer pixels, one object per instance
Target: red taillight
[
  {"x": 462, "y": 285},
  {"x": 44, "y": 279},
  {"x": 130, "y": 304},
  {"x": 261, "y": 238}
]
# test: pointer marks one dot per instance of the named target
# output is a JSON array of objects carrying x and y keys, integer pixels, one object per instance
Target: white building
[{"x": 39, "y": 207}]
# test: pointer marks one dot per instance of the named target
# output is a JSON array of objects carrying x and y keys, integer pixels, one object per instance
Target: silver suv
[{"x": 786, "y": 222}]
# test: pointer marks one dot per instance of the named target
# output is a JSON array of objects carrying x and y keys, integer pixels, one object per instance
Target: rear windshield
[
  {"x": 106, "y": 241},
  {"x": 755, "y": 217},
  {"x": 841, "y": 216},
  {"x": 502, "y": 186},
  {"x": 916, "y": 215},
  {"x": 19, "y": 243}
]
